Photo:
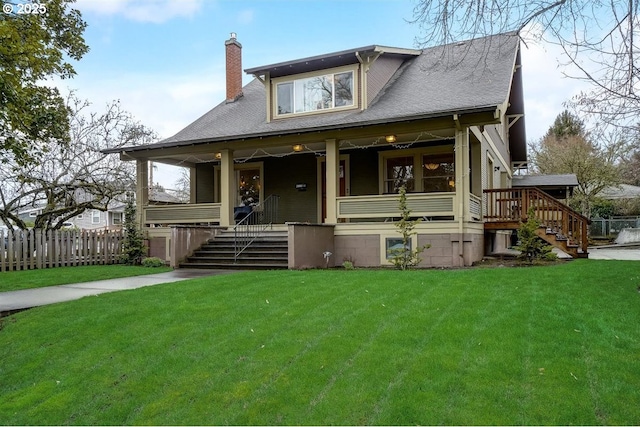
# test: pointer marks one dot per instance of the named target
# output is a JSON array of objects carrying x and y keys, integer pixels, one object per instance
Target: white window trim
[
  {"x": 93, "y": 217},
  {"x": 356, "y": 86},
  {"x": 113, "y": 216},
  {"x": 383, "y": 246}
]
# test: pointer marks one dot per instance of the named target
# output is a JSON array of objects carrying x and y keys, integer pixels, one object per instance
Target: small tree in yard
[
  {"x": 530, "y": 245},
  {"x": 133, "y": 248},
  {"x": 404, "y": 258}
]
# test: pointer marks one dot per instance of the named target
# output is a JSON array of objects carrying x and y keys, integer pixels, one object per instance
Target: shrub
[
  {"x": 153, "y": 262},
  {"x": 348, "y": 265},
  {"x": 530, "y": 245}
]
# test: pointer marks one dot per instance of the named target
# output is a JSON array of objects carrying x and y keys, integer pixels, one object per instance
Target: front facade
[{"x": 332, "y": 138}]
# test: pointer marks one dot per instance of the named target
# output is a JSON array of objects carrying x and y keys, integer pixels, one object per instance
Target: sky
[{"x": 164, "y": 59}]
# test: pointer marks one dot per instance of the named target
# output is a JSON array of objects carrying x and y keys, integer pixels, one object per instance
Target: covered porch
[{"x": 350, "y": 183}]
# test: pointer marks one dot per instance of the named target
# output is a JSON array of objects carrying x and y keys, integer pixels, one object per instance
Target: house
[
  {"x": 317, "y": 148},
  {"x": 559, "y": 186}
]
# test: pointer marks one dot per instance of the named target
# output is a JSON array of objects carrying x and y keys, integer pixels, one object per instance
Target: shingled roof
[{"x": 464, "y": 77}]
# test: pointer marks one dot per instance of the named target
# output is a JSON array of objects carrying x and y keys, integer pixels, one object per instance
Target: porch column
[
  {"x": 227, "y": 193},
  {"x": 333, "y": 167},
  {"x": 142, "y": 189},
  {"x": 192, "y": 184},
  {"x": 463, "y": 173}
]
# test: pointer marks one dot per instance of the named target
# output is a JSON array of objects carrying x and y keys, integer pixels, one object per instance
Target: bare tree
[
  {"x": 183, "y": 186},
  {"x": 600, "y": 40},
  {"x": 568, "y": 148},
  {"x": 69, "y": 180}
]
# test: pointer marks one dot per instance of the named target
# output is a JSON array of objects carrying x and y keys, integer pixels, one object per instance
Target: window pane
[
  {"x": 394, "y": 246},
  {"x": 344, "y": 89},
  {"x": 399, "y": 173},
  {"x": 438, "y": 173},
  {"x": 249, "y": 187},
  {"x": 313, "y": 94},
  {"x": 285, "y": 98}
]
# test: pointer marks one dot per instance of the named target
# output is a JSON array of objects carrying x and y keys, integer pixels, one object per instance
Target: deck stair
[
  {"x": 560, "y": 225},
  {"x": 268, "y": 251}
]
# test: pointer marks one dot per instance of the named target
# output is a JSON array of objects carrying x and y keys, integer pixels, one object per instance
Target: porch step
[
  {"x": 268, "y": 251},
  {"x": 561, "y": 242}
]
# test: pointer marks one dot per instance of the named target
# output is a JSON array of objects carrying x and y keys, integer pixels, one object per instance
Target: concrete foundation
[{"x": 311, "y": 246}]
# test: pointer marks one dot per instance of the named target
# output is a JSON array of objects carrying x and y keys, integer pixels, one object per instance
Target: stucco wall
[
  {"x": 307, "y": 245},
  {"x": 364, "y": 250},
  {"x": 185, "y": 240}
]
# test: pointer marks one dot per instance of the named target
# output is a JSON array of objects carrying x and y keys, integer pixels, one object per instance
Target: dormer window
[{"x": 315, "y": 92}]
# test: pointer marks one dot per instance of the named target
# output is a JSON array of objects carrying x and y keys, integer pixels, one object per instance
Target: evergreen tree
[
  {"x": 133, "y": 248},
  {"x": 530, "y": 245},
  {"x": 566, "y": 124}
]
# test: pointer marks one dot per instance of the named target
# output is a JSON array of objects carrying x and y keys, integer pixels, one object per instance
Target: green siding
[
  {"x": 364, "y": 172},
  {"x": 204, "y": 183},
  {"x": 281, "y": 176}
]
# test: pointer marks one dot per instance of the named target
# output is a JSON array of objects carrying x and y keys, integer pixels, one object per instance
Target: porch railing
[
  {"x": 249, "y": 228},
  {"x": 386, "y": 206},
  {"x": 507, "y": 207},
  {"x": 182, "y": 214}
]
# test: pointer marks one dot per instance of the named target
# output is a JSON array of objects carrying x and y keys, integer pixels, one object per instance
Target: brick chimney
[{"x": 234, "y": 68}]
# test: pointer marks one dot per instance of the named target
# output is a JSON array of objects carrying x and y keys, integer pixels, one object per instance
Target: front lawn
[
  {"x": 541, "y": 345},
  {"x": 27, "y": 279}
]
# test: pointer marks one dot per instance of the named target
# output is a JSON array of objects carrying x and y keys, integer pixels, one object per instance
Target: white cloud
[{"x": 155, "y": 11}]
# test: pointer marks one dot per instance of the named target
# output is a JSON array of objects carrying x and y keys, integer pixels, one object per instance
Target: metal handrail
[{"x": 249, "y": 228}]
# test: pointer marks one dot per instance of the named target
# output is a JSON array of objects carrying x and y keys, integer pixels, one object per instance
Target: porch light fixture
[
  {"x": 390, "y": 139},
  {"x": 496, "y": 168},
  {"x": 432, "y": 166},
  {"x": 298, "y": 148},
  {"x": 218, "y": 156}
]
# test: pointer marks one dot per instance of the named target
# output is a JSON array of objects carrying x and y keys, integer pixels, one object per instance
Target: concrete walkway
[
  {"x": 629, "y": 253},
  {"x": 28, "y": 298}
]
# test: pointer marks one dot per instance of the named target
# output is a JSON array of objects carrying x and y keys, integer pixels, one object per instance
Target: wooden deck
[{"x": 561, "y": 226}]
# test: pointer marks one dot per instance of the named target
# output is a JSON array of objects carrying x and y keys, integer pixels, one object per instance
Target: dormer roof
[{"x": 330, "y": 60}]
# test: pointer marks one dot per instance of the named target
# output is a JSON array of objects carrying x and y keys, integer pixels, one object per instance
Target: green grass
[
  {"x": 537, "y": 346},
  {"x": 28, "y": 279}
]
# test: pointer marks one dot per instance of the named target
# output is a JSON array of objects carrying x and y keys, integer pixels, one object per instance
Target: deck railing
[{"x": 509, "y": 206}]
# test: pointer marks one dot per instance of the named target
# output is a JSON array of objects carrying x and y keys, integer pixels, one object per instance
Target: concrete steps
[{"x": 268, "y": 251}]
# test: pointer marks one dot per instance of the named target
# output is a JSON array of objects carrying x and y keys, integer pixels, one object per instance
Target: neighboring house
[
  {"x": 91, "y": 219},
  {"x": 558, "y": 186},
  {"x": 335, "y": 136},
  {"x": 94, "y": 219},
  {"x": 621, "y": 192}
]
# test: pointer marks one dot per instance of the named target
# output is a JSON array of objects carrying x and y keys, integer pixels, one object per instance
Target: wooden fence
[{"x": 31, "y": 249}]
